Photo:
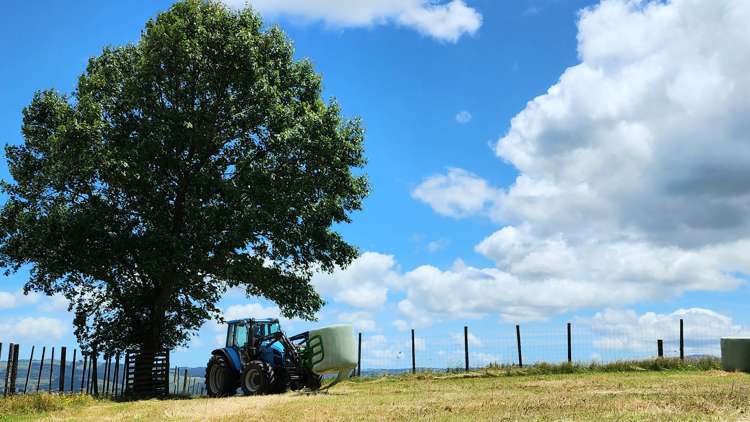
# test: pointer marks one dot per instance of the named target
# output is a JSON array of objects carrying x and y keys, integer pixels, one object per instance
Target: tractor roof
[{"x": 271, "y": 320}]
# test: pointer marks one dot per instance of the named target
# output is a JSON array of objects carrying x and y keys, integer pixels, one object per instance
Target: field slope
[{"x": 635, "y": 395}]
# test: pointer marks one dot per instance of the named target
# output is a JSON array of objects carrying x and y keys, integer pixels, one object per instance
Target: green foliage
[{"x": 198, "y": 159}]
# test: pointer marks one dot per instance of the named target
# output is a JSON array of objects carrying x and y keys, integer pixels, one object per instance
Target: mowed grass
[{"x": 631, "y": 394}]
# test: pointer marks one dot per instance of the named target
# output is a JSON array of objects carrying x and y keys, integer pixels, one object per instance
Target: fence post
[
  {"x": 570, "y": 348},
  {"x": 413, "y": 354},
  {"x": 28, "y": 372},
  {"x": 466, "y": 347},
  {"x": 117, "y": 373},
  {"x": 7, "y": 369},
  {"x": 682, "y": 342},
  {"x": 359, "y": 355},
  {"x": 125, "y": 373},
  {"x": 107, "y": 374},
  {"x": 73, "y": 371},
  {"x": 14, "y": 370},
  {"x": 660, "y": 348},
  {"x": 166, "y": 373},
  {"x": 184, "y": 382},
  {"x": 95, "y": 374},
  {"x": 41, "y": 367},
  {"x": 51, "y": 368},
  {"x": 518, "y": 342},
  {"x": 83, "y": 373},
  {"x": 63, "y": 353}
]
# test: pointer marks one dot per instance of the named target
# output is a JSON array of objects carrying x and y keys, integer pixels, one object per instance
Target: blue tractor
[{"x": 260, "y": 359}]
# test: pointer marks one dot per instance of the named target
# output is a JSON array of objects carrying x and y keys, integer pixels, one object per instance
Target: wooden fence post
[
  {"x": 518, "y": 342},
  {"x": 117, "y": 372},
  {"x": 73, "y": 371},
  {"x": 359, "y": 356},
  {"x": 166, "y": 373},
  {"x": 63, "y": 358},
  {"x": 125, "y": 373},
  {"x": 570, "y": 348},
  {"x": 660, "y": 348},
  {"x": 28, "y": 371},
  {"x": 107, "y": 363},
  {"x": 51, "y": 368},
  {"x": 14, "y": 370},
  {"x": 41, "y": 367},
  {"x": 184, "y": 382},
  {"x": 83, "y": 371},
  {"x": 7, "y": 369},
  {"x": 95, "y": 374},
  {"x": 413, "y": 355},
  {"x": 682, "y": 342}
]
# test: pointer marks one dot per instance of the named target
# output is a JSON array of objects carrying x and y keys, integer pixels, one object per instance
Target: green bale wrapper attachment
[
  {"x": 331, "y": 350},
  {"x": 735, "y": 354}
]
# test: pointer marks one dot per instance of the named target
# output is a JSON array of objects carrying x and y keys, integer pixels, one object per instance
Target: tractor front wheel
[
  {"x": 220, "y": 380},
  {"x": 257, "y": 378}
]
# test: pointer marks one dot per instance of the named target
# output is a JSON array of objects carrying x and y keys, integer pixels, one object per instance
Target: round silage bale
[{"x": 735, "y": 354}]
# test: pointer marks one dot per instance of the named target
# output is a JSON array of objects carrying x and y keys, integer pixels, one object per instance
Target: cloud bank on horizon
[
  {"x": 632, "y": 176},
  {"x": 443, "y": 21}
]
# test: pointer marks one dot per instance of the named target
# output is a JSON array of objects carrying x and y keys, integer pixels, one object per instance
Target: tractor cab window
[
  {"x": 237, "y": 335},
  {"x": 274, "y": 328}
]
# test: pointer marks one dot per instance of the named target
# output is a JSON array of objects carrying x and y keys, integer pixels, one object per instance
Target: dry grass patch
[{"x": 636, "y": 395}]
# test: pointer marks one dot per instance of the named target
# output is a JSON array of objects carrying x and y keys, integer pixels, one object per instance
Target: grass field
[{"x": 492, "y": 394}]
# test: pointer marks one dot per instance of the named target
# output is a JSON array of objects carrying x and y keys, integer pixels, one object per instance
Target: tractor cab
[{"x": 256, "y": 339}]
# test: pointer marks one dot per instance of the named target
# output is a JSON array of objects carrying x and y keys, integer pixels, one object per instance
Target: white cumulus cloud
[
  {"x": 627, "y": 330},
  {"x": 458, "y": 194},
  {"x": 363, "y": 284},
  {"x": 25, "y": 329},
  {"x": 633, "y": 172},
  {"x": 444, "y": 21}
]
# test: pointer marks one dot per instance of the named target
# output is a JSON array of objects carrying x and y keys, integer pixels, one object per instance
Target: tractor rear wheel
[
  {"x": 258, "y": 378},
  {"x": 220, "y": 379}
]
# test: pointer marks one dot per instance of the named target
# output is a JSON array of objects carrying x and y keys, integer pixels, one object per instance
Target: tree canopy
[{"x": 200, "y": 158}]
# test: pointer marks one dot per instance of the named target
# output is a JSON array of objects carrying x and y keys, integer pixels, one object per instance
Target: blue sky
[{"x": 530, "y": 163}]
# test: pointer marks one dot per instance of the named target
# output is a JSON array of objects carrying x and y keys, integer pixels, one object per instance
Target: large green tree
[{"x": 200, "y": 158}]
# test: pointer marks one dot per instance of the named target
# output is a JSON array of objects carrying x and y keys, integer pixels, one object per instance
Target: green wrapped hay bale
[
  {"x": 735, "y": 354},
  {"x": 333, "y": 350}
]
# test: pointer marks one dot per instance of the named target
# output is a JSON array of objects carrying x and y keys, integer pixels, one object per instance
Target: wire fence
[
  {"x": 25, "y": 370},
  {"x": 464, "y": 349}
]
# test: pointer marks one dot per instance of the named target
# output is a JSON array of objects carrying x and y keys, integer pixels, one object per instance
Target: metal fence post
[
  {"x": 41, "y": 367},
  {"x": 466, "y": 347},
  {"x": 660, "y": 348},
  {"x": 570, "y": 348},
  {"x": 63, "y": 353},
  {"x": 413, "y": 355},
  {"x": 28, "y": 372},
  {"x": 518, "y": 342},
  {"x": 682, "y": 342},
  {"x": 359, "y": 356}
]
